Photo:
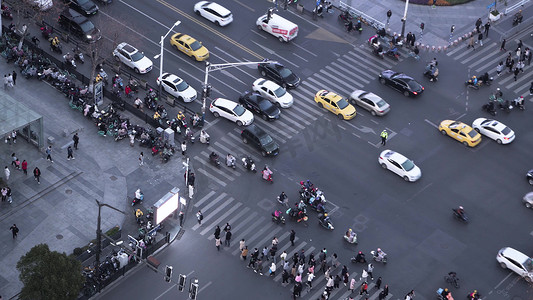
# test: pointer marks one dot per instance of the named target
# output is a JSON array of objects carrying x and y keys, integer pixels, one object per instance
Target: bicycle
[{"x": 453, "y": 280}]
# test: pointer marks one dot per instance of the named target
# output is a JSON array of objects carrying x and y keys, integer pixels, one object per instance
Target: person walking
[
  {"x": 181, "y": 215},
  {"x": 516, "y": 72},
  {"x": 518, "y": 53},
  {"x": 217, "y": 242},
  {"x": 275, "y": 241},
  {"x": 252, "y": 262},
  {"x": 7, "y": 173},
  {"x": 273, "y": 251},
  {"x": 272, "y": 269},
  {"x": 14, "y": 230},
  {"x": 6, "y": 82},
  {"x": 8, "y": 194},
  {"x": 499, "y": 68},
  {"x": 528, "y": 56},
  {"x": 480, "y": 39},
  {"x": 199, "y": 217},
  {"x": 285, "y": 276},
  {"x": 346, "y": 278},
  {"x": 310, "y": 277},
  {"x": 10, "y": 80},
  {"x": 259, "y": 267},
  {"x": 471, "y": 43},
  {"x": 378, "y": 283},
  {"x": 410, "y": 295},
  {"x": 330, "y": 284},
  {"x": 384, "y": 135},
  {"x": 227, "y": 241},
  {"x": 70, "y": 153},
  {"x": 292, "y": 237},
  {"x": 487, "y": 27},
  {"x": 264, "y": 253},
  {"x": 323, "y": 266},
  {"x": 49, "y": 154},
  {"x": 352, "y": 285},
  {"x": 13, "y": 159},
  {"x": 336, "y": 282},
  {"x": 141, "y": 159},
  {"x": 364, "y": 288},
  {"x": 502, "y": 47},
  {"x": 76, "y": 140},
  {"x": 369, "y": 270},
  {"x": 283, "y": 256},
  {"x": 335, "y": 260},
  {"x": 183, "y": 148},
  {"x": 25, "y": 167},
  {"x": 242, "y": 244},
  {"x": 244, "y": 253},
  {"x": 14, "y": 136},
  {"x": 37, "y": 175},
  {"x": 364, "y": 275}
]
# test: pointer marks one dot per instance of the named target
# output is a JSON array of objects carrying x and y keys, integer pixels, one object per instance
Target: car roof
[
  {"x": 74, "y": 16},
  {"x": 333, "y": 96},
  {"x": 494, "y": 124},
  {"x": 127, "y": 47},
  {"x": 225, "y": 103},
  {"x": 394, "y": 156},
  {"x": 458, "y": 125},
  {"x": 185, "y": 37},
  {"x": 171, "y": 77},
  {"x": 219, "y": 8},
  {"x": 514, "y": 254},
  {"x": 270, "y": 84},
  {"x": 255, "y": 130}
]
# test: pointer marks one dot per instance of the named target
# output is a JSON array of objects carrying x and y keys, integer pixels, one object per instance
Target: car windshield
[
  {"x": 284, "y": 72},
  {"x": 487, "y": 121},
  {"x": 408, "y": 165},
  {"x": 195, "y": 46},
  {"x": 87, "y": 26},
  {"x": 239, "y": 110},
  {"x": 413, "y": 85},
  {"x": 528, "y": 264},
  {"x": 472, "y": 133},
  {"x": 265, "y": 105},
  {"x": 265, "y": 139},
  {"x": 182, "y": 86},
  {"x": 137, "y": 56},
  {"x": 506, "y": 130},
  {"x": 82, "y": 2},
  {"x": 342, "y": 103},
  {"x": 280, "y": 92}
]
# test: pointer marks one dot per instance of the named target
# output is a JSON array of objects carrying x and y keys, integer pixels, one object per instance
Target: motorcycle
[
  {"x": 78, "y": 55},
  {"x": 463, "y": 217},
  {"x": 489, "y": 107},
  {"x": 393, "y": 53},
  {"x": 56, "y": 48},
  {"x": 519, "y": 102},
  {"x": 359, "y": 258},
  {"x": 230, "y": 161},
  {"x": 285, "y": 201},
  {"x": 46, "y": 32},
  {"x": 204, "y": 137},
  {"x": 431, "y": 72},
  {"x": 69, "y": 60},
  {"x": 319, "y": 10},
  {"x": 350, "y": 236},
  {"x": 325, "y": 221},
  {"x": 213, "y": 158},
  {"x": 189, "y": 135},
  {"x": 6, "y": 12},
  {"x": 277, "y": 217},
  {"x": 517, "y": 19},
  {"x": 505, "y": 106},
  {"x": 139, "y": 197},
  {"x": 267, "y": 174},
  {"x": 377, "y": 49},
  {"x": 297, "y": 215},
  {"x": 248, "y": 164},
  {"x": 379, "y": 256}
]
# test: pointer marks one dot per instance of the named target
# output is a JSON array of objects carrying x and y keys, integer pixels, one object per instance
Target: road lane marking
[
  {"x": 431, "y": 123},
  {"x": 205, "y": 286},
  {"x": 272, "y": 52},
  {"x": 248, "y": 7},
  {"x": 418, "y": 193},
  {"x": 209, "y": 28},
  {"x": 503, "y": 280},
  {"x": 162, "y": 294},
  {"x": 300, "y": 57}
]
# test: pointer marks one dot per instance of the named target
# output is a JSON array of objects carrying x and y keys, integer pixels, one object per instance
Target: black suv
[
  {"x": 279, "y": 74},
  {"x": 78, "y": 25},
  {"x": 86, "y": 7},
  {"x": 260, "y": 139}
]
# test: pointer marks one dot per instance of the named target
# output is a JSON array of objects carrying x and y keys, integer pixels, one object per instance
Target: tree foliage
[{"x": 49, "y": 275}]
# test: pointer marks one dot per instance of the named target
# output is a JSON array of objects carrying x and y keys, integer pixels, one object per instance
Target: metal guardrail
[
  {"x": 515, "y": 6},
  {"x": 364, "y": 17}
]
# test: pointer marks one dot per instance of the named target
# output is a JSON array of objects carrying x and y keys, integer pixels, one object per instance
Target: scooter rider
[
  {"x": 267, "y": 173},
  {"x": 204, "y": 137},
  {"x": 213, "y": 156},
  {"x": 350, "y": 235},
  {"x": 380, "y": 255},
  {"x": 139, "y": 195},
  {"x": 498, "y": 94},
  {"x": 230, "y": 160},
  {"x": 283, "y": 199},
  {"x": 360, "y": 257}
]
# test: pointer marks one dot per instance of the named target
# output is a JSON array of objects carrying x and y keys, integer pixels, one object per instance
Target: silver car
[
  {"x": 370, "y": 101},
  {"x": 528, "y": 200}
]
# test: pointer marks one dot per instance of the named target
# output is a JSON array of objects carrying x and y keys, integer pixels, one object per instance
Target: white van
[
  {"x": 42, "y": 4},
  {"x": 279, "y": 27}
]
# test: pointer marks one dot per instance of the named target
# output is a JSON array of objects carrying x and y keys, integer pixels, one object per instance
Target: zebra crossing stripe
[
  {"x": 210, "y": 215},
  {"x": 479, "y": 52},
  {"x": 251, "y": 217},
  {"x": 206, "y": 174},
  {"x": 204, "y": 198},
  {"x": 225, "y": 215}
]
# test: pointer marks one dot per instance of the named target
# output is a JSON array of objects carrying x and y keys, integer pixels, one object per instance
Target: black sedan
[
  {"x": 401, "y": 82},
  {"x": 279, "y": 74},
  {"x": 259, "y": 105},
  {"x": 86, "y": 7}
]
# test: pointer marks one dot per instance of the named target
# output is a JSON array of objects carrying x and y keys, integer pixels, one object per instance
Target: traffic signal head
[{"x": 168, "y": 273}]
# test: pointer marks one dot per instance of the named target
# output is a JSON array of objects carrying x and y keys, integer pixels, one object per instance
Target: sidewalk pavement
[
  {"x": 61, "y": 211},
  {"x": 437, "y": 20}
]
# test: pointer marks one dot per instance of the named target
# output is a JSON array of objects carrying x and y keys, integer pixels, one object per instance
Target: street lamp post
[
  {"x": 160, "y": 55},
  {"x": 99, "y": 241},
  {"x": 404, "y": 19},
  {"x": 206, "y": 90}
]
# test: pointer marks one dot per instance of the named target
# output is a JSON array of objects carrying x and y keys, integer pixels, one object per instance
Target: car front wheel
[
  {"x": 216, "y": 114},
  {"x": 136, "y": 71},
  {"x": 443, "y": 132},
  {"x": 340, "y": 116},
  {"x": 259, "y": 27},
  {"x": 239, "y": 123},
  {"x": 465, "y": 143},
  {"x": 406, "y": 178},
  {"x": 504, "y": 266},
  {"x": 320, "y": 105}
]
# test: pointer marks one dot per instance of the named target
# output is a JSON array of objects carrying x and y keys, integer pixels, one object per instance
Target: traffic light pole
[{"x": 206, "y": 90}]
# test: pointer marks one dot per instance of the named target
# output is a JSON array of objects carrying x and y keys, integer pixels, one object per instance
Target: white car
[
  {"x": 273, "y": 92},
  {"x": 177, "y": 87},
  {"x": 133, "y": 58},
  {"x": 232, "y": 111},
  {"x": 517, "y": 262},
  {"x": 370, "y": 102},
  {"x": 494, "y": 130},
  {"x": 400, "y": 165},
  {"x": 214, "y": 12}
]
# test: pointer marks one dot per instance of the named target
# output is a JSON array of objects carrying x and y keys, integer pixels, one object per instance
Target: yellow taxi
[
  {"x": 189, "y": 46},
  {"x": 335, "y": 104},
  {"x": 461, "y": 132}
]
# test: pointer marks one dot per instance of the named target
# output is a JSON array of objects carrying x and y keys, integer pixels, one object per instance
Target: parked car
[
  {"x": 177, "y": 87},
  {"x": 214, "y": 12},
  {"x": 261, "y": 140},
  {"x": 259, "y": 105},
  {"x": 78, "y": 25},
  {"x": 399, "y": 164},
  {"x": 232, "y": 111},
  {"x": 133, "y": 58},
  {"x": 401, "y": 82},
  {"x": 279, "y": 74},
  {"x": 86, "y": 7},
  {"x": 517, "y": 262},
  {"x": 370, "y": 101}
]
